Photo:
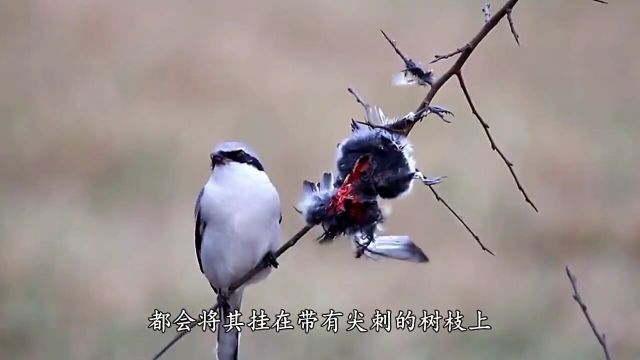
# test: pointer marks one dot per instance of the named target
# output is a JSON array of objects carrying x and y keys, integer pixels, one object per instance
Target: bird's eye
[{"x": 235, "y": 155}]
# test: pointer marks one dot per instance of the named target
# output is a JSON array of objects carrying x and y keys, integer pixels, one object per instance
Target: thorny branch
[
  {"x": 513, "y": 28},
  {"x": 476, "y": 237},
  {"x": 456, "y": 69},
  {"x": 453, "y": 53},
  {"x": 576, "y": 296},
  {"x": 425, "y": 75},
  {"x": 495, "y": 147},
  {"x": 261, "y": 265},
  {"x": 464, "y": 53},
  {"x": 359, "y": 99},
  {"x": 367, "y": 108}
]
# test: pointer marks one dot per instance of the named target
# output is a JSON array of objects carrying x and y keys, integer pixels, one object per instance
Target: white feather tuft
[
  {"x": 314, "y": 196},
  {"x": 403, "y": 78}
]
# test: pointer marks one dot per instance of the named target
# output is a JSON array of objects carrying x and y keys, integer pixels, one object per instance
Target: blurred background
[{"x": 108, "y": 111}]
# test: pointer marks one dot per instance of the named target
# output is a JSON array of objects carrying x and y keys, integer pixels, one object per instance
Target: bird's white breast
[{"x": 241, "y": 209}]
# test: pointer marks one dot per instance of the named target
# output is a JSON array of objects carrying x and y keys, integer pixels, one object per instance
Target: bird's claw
[
  {"x": 271, "y": 260},
  {"x": 433, "y": 180},
  {"x": 440, "y": 112},
  {"x": 427, "y": 180}
]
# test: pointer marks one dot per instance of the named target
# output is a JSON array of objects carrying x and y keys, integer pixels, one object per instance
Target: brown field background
[{"x": 108, "y": 110}]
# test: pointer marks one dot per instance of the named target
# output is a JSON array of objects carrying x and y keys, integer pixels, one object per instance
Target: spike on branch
[
  {"x": 460, "y": 219},
  {"x": 513, "y": 28}
]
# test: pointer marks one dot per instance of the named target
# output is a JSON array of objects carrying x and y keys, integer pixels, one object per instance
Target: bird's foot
[
  {"x": 440, "y": 112},
  {"x": 270, "y": 259},
  {"x": 427, "y": 180}
]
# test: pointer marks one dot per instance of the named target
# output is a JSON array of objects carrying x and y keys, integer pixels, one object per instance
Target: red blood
[{"x": 347, "y": 191}]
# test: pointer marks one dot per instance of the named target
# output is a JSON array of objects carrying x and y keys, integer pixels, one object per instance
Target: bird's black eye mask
[{"x": 239, "y": 156}]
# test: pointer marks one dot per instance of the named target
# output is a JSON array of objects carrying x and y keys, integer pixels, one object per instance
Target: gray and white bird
[{"x": 238, "y": 218}]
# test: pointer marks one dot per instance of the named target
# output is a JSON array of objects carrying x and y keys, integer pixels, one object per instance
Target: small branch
[
  {"x": 576, "y": 296},
  {"x": 446, "y": 56},
  {"x": 466, "y": 53},
  {"x": 179, "y": 336},
  {"x": 476, "y": 237},
  {"x": 259, "y": 267},
  {"x": 495, "y": 147},
  {"x": 456, "y": 69},
  {"x": 424, "y": 76},
  {"x": 395, "y": 47},
  {"x": 601, "y": 1},
  {"x": 358, "y": 99},
  {"x": 513, "y": 28},
  {"x": 294, "y": 239}
]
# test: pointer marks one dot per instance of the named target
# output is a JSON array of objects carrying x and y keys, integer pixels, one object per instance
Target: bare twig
[
  {"x": 180, "y": 334},
  {"x": 513, "y": 28},
  {"x": 395, "y": 47},
  {"x": 259, "y": 267},
  {"x": 601, "y": 1},
  {"x": 358, "y": 99},
  {"x": 495, "y": 147},
  {"x": 576, "y": 296},
  {"x": 476, "y": 237},
  {"x": 446, "y": 56},
  {"x": 414, "y": 67},
  {"x": 456, "y": 69}
]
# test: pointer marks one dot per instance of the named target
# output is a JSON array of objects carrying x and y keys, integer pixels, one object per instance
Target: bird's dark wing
[
  {"x": 200, "y": 226},
  {"x": 280, "y": 221}
]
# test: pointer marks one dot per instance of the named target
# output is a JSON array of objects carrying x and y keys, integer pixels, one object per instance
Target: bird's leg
[
  {"x": 223, "y": 300},
  {"x": 270, "y": 259},
  {"x": 367, "y": 237}
]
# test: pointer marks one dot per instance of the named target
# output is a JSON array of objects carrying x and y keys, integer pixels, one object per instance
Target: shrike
[{"x": 238, "y": 218}]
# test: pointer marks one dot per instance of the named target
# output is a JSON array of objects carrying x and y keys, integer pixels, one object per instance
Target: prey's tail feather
[
  {"x": 393, "y": 247},
  {"x": 229, "y": 341}
]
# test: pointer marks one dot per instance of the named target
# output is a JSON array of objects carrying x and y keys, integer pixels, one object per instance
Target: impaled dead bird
[
  {"x": 393, "y": 167},
  {"x": 350, "y": 211},
  {"x": 349, "y": 207},
  {"x": 345, "y": 209},
  {"x": 375, "y": 161}
]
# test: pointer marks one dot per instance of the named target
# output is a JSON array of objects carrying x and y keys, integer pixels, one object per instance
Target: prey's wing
[{"x": 200, "y": 226}]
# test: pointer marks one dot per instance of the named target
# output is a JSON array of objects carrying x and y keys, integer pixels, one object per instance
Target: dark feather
[
  {"x": 309, "y": 187},
  {"x": 200, "y": 227}
]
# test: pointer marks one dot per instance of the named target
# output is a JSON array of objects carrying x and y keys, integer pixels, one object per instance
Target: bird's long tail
[{"x": 229, "y": 341}]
